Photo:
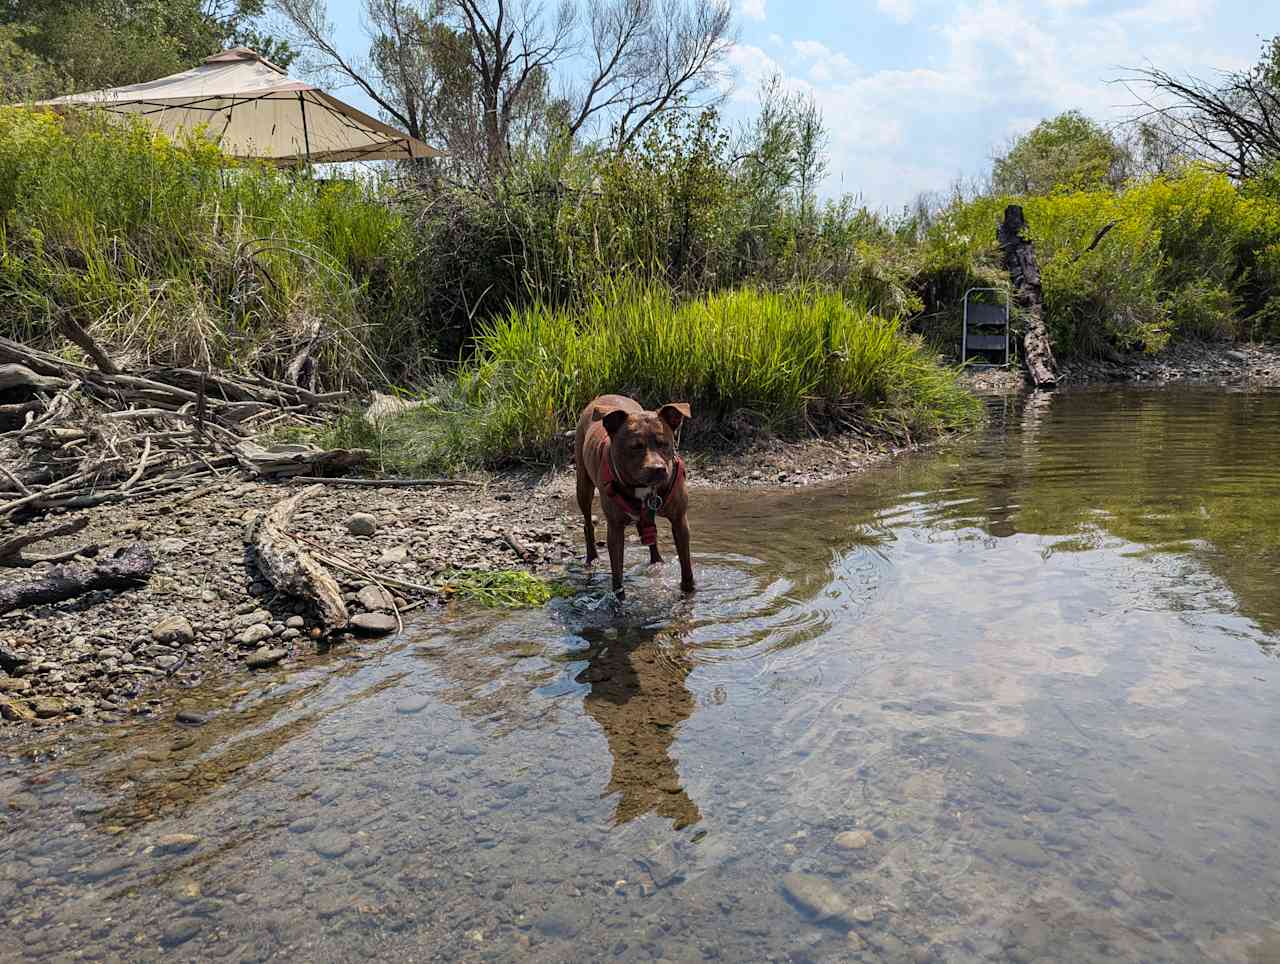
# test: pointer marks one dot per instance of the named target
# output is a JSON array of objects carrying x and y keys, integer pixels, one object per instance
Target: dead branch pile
[{"x": 73, "y": 436}]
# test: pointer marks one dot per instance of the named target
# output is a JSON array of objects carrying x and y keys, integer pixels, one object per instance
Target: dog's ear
[
  {"x": 613, "y": 418},
  {"x": 673, "y": 413}
]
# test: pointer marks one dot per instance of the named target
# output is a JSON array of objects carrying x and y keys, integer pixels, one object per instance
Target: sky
[{"x": 918, "y": 93}]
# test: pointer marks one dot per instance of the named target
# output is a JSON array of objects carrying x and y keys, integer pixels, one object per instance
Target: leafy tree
[
  {"x": 106, "y": 43},
  {"x": 1231, "y": 121},
  {"x": 1067, "y": 151},
  {"x": 491, "y": 77}
]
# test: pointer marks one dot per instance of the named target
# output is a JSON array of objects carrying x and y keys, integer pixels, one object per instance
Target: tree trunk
[
  {"x": 291, "y": 570},
  {"x": 1024, "y": 270},
  {"x": 126, "y": 567}
]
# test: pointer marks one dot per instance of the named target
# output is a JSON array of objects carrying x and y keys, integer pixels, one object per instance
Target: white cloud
[
  {"x": 899, "y": 10},
  {"x": 974, "y": 84},
  {"x": 753, "y": 9}
]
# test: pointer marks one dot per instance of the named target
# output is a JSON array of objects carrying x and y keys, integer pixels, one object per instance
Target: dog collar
[{"x": 642, "y": 507}]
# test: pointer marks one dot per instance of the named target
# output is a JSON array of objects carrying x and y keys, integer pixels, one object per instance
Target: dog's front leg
[
  {"x": 617, "y": 540},
  {"x": 680, "y": 533}
]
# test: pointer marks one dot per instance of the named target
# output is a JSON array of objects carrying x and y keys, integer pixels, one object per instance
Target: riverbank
[
  {"x": 1248, "y": 365},
  {"x": 107, "y": 655}
]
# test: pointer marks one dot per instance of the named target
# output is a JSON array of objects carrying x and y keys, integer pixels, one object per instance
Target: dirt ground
[{"x": 205, "y": 609}]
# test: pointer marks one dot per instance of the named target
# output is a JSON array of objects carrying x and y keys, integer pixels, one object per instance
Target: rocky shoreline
[{"x": 108, "y": 655}]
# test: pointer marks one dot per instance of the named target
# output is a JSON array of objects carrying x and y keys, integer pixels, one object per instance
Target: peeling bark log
[
  {"x": 1020, "y": 260},
  {"x": 290, "y": 569},
  {"x": 128, "y": 566},
  {"x": 20, "y": 376}
]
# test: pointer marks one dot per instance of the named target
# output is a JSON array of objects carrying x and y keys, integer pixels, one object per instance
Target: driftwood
[
  {"x": 388, "y": 406},
  {"x": 20, "y": 376},
  {"x": 288, "y": 567},
  {"x": 129, "y": 565},
  {"x": 1020, "y": 260},
  {"x": 72, "y": 435},
  {"x": 11, "y": 549},
  {"x": 284, "y": 460}
]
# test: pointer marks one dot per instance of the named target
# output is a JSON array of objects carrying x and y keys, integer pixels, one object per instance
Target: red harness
[{"x": 643, "y": 514}]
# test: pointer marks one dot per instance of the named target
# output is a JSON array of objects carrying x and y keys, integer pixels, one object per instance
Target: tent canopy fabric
[{"x": 254, "y": 109}]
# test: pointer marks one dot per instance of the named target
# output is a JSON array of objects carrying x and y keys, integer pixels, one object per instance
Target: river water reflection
[{"x": 1015, "y": 700}]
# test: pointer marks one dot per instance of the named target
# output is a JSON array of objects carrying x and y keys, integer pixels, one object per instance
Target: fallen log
[
  {"x": 128, "y": 566},
  {"x": 288, "y": 567},
  {"x": 20, "y": 376},
  {"x": 1024, "y": 270},
  {"x": 290, "y": 459}
]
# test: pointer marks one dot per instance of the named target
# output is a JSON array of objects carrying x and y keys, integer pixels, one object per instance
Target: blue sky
[{"x": 919, "y": 92}]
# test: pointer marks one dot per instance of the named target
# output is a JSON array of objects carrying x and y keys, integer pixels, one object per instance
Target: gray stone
[
  {"x": 173, "y": 631},
  {"x": 375, "y": 599},
  {"x": 394, "y": 556},
  {"x": 1024, "y": 853},
  {"x": 331, "y": 843},
  {"x": 255, "y": 634},
  {"x": 167, "y": 662},
  {"x": 266, "y": 657},
  {"x": 817, "y": 897},
  {"x": 46, "y": 707},
  {"x": 362, "y": 524},
  {"x": 414, "y": 704},
  {"x": 11, "y": 684},
  {"x": 854, "y": 839},
  {"x": 176, "y": 843},
  {"x": 192, "y": 717},
  {"x": 107, "y": 867},
  {"x": 180, "y": 931},
  {"x": 253, "y": 617},
  {"x": 295, "y": 622},
  {"x": 373, "y": 624}
]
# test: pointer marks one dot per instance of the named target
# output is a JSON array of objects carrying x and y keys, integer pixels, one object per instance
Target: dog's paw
[{"x": 686, "y": 585}]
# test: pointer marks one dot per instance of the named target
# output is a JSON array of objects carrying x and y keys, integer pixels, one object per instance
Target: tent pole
[{"x": 306, "y": 137}]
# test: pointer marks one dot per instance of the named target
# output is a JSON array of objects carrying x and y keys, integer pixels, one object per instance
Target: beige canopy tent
[{"x": 254, "y": 109}]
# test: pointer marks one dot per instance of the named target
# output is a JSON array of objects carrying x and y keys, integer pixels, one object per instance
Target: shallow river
[{"x": 1015, "y": 700}]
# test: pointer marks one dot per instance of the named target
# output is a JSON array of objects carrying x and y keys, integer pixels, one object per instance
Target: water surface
[{"x": 1015, "y": 700}]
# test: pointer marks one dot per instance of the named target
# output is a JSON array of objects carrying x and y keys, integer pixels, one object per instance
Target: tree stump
[{"x": 1024, "y": 270}]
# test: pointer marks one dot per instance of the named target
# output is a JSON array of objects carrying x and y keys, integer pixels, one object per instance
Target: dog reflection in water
[{"x": 639, "y": 699}]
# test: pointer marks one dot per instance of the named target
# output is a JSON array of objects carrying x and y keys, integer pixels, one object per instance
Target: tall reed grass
[
  {"x": 791, "y": 363},
  {"x": 169, "y": 253}
]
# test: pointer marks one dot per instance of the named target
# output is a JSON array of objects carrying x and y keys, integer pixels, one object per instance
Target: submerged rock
[
  {"x": 854, "y": 839},
  {"x": 176, "y": 843},
  {"x": 265, "y": 657},
  {"x": 816, "y": 896},
  {"x": 180, "y": 931}
]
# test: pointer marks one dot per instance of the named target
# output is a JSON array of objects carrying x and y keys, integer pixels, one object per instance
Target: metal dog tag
[{"x": 653, "y": 502}]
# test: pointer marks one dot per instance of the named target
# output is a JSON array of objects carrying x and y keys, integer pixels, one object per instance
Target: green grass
[
  {"x": 790, "y": 363},
  {"x": 169, "y": 253},
  {"x": 500, "y": 589}
]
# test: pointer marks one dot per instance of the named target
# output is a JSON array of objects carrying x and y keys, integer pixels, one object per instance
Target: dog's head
[{"x": 644, "y": 443}]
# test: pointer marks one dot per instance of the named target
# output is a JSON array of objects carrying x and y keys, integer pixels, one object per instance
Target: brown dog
[{"x": 630, "y": 456}]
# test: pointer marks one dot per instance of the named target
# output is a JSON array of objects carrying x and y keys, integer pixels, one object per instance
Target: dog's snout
[{"x": 656, "y": 474}]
